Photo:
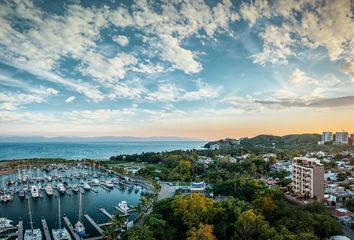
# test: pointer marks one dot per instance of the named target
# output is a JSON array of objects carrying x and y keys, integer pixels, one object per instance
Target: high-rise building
[
  {"x": 341, "y": 138},
  {"x": 351, "y": 142},
  {"x": 327, "y": 137},
  {"x": 308, "y": 178}
]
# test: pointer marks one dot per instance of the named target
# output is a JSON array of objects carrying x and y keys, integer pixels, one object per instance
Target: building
[
  {"x": 308, "y": 178},
  {"x": 351, "y": 139},
  {"x": 198, "y": 187},
  {"x": 327, "y": 137},
  {"x": 341, "y": 138}
]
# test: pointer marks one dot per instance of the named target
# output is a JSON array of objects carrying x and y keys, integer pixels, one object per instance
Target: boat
[
  {"x": 123, "y": 205},
  {"x": 49, "y": 178},
  {"x": 49, "y": 190},
  {"x": 79, "y": 226},
  {"x": 32, "y": 234},
  {"x": 21, "y": 194},
  {"x": 60, "y": 233},
  {"x": 108, "y": 184},
  {"x": 5, "y": 224},
  {"x": 5, "y": 197},
  {"x": 61, "y": 188},
  {"x": 86, "y": 186},
  {"x": 75, "y": 188},
  {"x": 95, "y": 182},
  {"x": 34, "y": 191}
]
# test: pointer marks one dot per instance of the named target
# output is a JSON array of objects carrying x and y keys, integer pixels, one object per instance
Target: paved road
[
  {"x": 166, "y": 191},
  {"x": 348, "y": 232}
]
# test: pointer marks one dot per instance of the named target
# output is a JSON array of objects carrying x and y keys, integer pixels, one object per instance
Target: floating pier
[
  {"x": 105, "y": 188},
  {"x": 106, "y": 213},
  {"x": 124, "y": 214},
  {"x": 98, "y": 228},
  {"x": 71, "y": 228},
  {"x": 46, "y": 230},
  {"x": 20, "y": 230}
]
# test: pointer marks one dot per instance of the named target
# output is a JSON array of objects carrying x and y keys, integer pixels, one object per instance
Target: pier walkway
[
  {"x": 93, "y": 223},
  {"x": 20, "y": 230},
  {"x": 71, "y": 228},
  {"x": 46, "y": 230},
  {"x": 106, "y": 213}
]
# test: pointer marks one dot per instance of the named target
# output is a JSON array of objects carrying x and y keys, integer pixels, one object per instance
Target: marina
[{"x": 40, "y": 187}]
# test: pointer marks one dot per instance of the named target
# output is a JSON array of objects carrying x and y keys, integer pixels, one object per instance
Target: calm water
[
  {"x": 92, "y": 150},
  {"x": 47, "y": 206}
]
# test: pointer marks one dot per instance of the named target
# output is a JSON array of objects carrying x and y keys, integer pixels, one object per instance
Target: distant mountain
[
  {"x": 93, "y": 139},
  {"x": 268, "y": 141},
  {"x": 287, "y": 139}
]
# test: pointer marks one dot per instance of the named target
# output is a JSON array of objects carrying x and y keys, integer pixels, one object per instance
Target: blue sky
[{"x": 204, "y": 69}]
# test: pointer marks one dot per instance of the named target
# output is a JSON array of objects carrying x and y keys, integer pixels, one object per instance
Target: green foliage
[
  {"x": 140, "y": 232},
  {"x": 350, "y": 204}
]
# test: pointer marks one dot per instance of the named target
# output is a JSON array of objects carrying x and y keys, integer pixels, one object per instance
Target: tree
[
  {"x": 251, "y": 225},
  {"x": 194, "y": 209},
  {"x": 350, "y": 204},
  {"x": 203, "y": 232},
  {"x": 140, "y": 232}
]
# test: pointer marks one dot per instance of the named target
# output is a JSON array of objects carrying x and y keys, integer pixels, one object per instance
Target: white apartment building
[
  {"x": 341, "y": 138},
  {"x": 327, "y": 137},
  {"x": 308, "y": 178}
]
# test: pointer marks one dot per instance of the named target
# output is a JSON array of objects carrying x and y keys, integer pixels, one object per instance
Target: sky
[{"x": 201, "y": 69}]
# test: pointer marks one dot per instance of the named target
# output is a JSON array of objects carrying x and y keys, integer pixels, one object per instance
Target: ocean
[{"x": 91, "y": 150}]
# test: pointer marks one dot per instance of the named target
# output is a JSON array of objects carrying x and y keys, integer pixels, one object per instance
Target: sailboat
[
  {"x": 79, "y": 226},
  {"x": 60, "y": 233},
  {"x": 32, "y": 234}
]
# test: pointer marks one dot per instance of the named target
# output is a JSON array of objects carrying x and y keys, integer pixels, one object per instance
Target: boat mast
[
  {"x": 59, "y": 213},
  {"x": 30, "y": 214},
  {"x": 80, "y": 208}
]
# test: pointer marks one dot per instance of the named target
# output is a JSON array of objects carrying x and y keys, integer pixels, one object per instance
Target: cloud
[
  {"x": 277, "y": 43},
  {"x": 121, "y": 40},
  {"x": 348, "y": 68},
  {"x": 203, "y": 91},
  {"x": 70, "y": 99},
  {"x": 300, "y": 79},
  {"x": 306, "y": 24},
  {"x": 11, "y": 101}
]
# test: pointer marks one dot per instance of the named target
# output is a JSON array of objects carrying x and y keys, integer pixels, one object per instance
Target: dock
[
  {"x": 93, "y": 223},
  {"x": 106, "y": 213},
  {"x": 95, "y": 238},
  {"x": 46, "y": 230},
  {"x": 104, "y": 224},
  {"x": 105, "y": 188},
  {"x": 20, "y": 230},
  {"x": 124, "y": 214},
  {"x": 71, "y": 228}
]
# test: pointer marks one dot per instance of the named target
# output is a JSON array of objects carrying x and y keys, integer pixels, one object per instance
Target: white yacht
[
  {"x": 60, "y": 233},
  {"x": 5, "y": 197},
  {"x": 34, "y": 191},
  {"x": 123, "y": 205},
  {"x": 108, "y": 184},
  {"x": 61, "y": 188},
  {"x": 95, "y": 182},
  {"x": 49, "y": 190},
  {"x": 5, "y": 224},
  {"x": 86, "y": 186},
  {"x": 32, "y": 234}
]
